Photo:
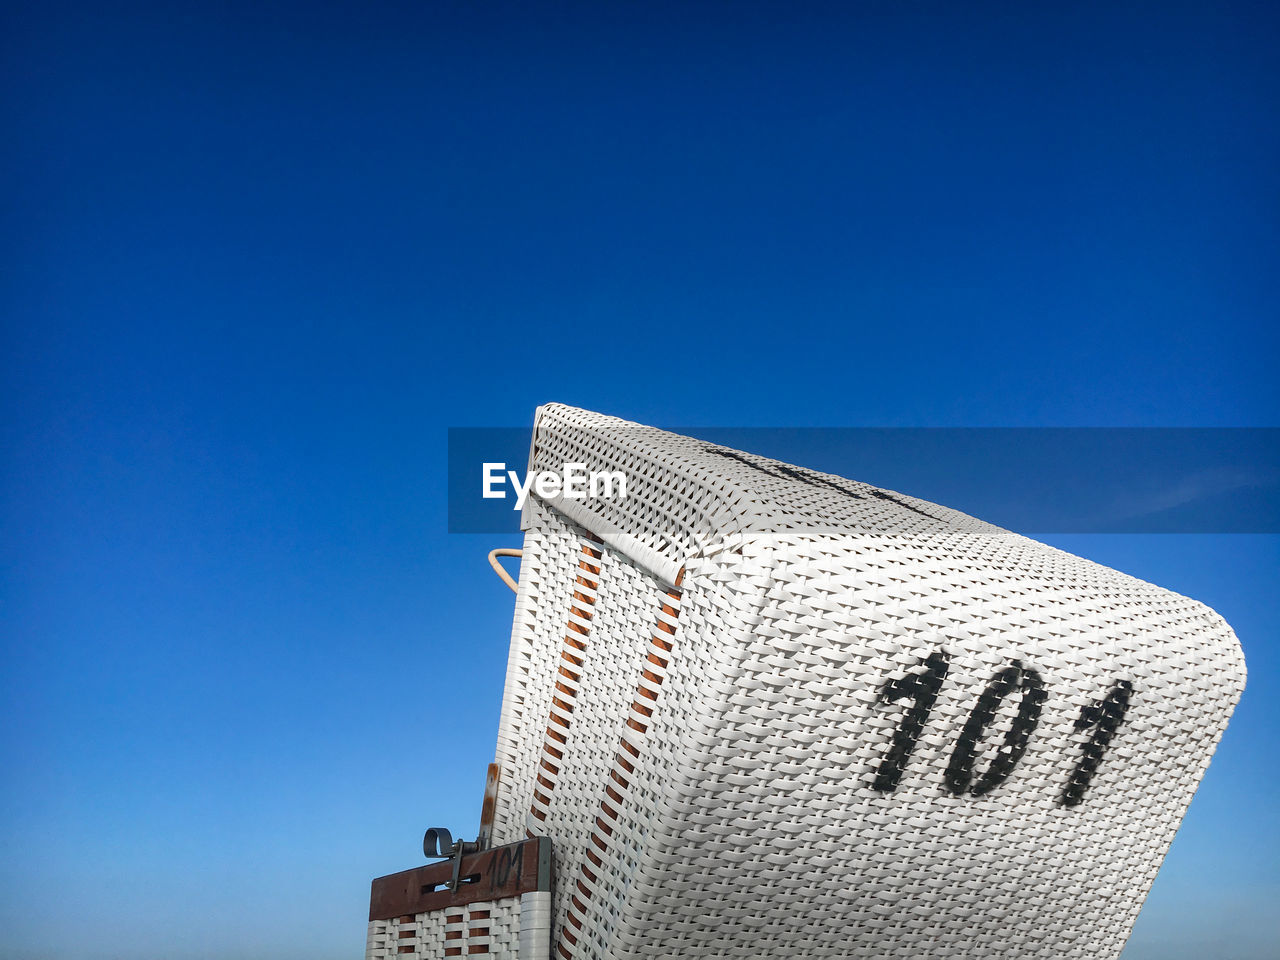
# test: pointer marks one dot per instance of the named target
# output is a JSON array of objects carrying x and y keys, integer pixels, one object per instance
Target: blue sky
[{"x": 258, "y": 257}]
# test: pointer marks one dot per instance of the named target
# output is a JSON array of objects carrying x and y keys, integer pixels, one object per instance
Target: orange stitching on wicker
[
  {"x": 574, "y": 638},
  {"x": 621, "y": 761}
]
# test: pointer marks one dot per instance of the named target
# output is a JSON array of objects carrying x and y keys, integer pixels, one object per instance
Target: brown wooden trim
[
  {"x": 503, "y": 872},
  {"x": 489, "y": 808}
]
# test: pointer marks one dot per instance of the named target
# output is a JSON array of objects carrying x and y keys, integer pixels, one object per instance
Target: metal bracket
[{"x": 438, "y": 843}]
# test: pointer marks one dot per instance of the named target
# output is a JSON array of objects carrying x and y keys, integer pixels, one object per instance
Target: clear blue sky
[{"x": 258, "y": 257}]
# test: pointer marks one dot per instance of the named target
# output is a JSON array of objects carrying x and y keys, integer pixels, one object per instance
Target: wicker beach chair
[{"x": 765, "y": 712}]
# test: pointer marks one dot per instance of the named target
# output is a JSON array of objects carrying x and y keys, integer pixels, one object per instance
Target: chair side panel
[{"x": 776, "y": 842}]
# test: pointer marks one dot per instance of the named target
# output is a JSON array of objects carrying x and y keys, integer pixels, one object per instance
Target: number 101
[{"x": 920, "y": 689}]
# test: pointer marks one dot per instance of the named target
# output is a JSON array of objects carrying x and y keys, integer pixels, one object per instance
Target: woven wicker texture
[
  {"x": 509, "y": 928},
  {"x": 859, "y": 725}
]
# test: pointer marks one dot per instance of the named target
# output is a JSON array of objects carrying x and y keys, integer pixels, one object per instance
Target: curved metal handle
[{"x": 437, "y": 842}]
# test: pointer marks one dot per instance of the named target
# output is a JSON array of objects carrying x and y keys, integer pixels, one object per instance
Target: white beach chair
[{"x": 765, "y": 712}]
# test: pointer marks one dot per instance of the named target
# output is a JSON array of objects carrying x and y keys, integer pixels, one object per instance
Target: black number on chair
[
  {"x": 1105, "y": 718},
  {"x": 959, "y": 773},
  {"x": 922, "y": 690}
]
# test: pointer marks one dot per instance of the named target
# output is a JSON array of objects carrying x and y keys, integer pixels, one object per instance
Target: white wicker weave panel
[
  {"x": 548, "y": 575},
  {"x": 623, "y": 621},
  {"x": 689, "y": 497},
  {"x": 748, "y": 808},
  {"x": 920, "y": 872},
  {"x": 515, "y": 928}
]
